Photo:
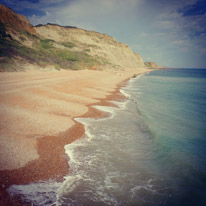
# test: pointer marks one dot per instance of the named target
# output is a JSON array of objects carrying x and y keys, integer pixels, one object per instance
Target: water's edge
[{"x": 35, "y": 192}]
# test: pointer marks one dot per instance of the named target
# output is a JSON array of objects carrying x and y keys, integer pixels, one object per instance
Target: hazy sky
[{"x": 169, "y": 32}]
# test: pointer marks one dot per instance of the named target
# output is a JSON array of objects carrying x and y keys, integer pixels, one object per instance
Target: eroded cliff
[
  {"x": 94, "y": 43},
  {"x": 15, "y": 22},
  {"x": 56, "y": 47}
]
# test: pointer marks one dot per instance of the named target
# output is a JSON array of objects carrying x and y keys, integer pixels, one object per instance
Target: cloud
[
  {"x": 182, "y": 42},
  {"x": 101, "y": 15}
]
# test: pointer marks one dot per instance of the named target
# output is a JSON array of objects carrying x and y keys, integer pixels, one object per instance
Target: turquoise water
[
  {"x": 173, "y": 105},
  {"x": 150, "y": 151}
]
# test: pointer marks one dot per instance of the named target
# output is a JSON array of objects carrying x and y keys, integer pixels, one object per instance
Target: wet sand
[{"x": 37, "y": 111}]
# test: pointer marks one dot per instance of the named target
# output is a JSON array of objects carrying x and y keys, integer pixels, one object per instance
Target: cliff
[
  {"x": 94, "y": 43},
  {"x": 56, "y": 47},
  {"x": 14, "y": 22}
]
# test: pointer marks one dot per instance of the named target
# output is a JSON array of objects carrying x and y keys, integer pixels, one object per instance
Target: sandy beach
[{"x": 37, "y": 111}]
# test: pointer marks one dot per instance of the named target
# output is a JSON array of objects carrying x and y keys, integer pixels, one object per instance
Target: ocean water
[{"x": 150, "y": 151}]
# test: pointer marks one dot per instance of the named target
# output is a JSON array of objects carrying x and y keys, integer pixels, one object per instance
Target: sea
[{"x": 149, "y": 151}]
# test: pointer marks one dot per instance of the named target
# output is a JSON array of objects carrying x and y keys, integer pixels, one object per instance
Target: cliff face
[
  {"x": 95, "y": 43},
  {"x": 58, "y": 47},
  {"x": 15, "y": 22}
]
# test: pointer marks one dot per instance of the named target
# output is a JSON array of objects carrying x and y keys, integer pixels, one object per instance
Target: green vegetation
[
  {"x": 67, "y": 55},
  {"x": 13, "y": 48},
  {"x": 46, "y": 43},
  {"x": 43, "y": 53},
  {"x": 68, "y": 44}
]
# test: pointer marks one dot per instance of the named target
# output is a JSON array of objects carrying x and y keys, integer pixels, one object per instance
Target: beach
[{"x": 37, "y": 111}]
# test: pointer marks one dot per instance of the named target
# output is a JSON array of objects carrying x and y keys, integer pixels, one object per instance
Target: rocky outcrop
[
  {"x": 152, "y": 65},
  {"x": 14, "y": 21},
  {"x": 96, "y": 44}
]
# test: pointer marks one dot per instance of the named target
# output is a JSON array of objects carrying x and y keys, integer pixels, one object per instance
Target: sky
[{"x": 169, "y": 32}]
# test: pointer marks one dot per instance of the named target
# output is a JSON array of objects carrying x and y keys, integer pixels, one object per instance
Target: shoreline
[{"x": 53, "y": 161}]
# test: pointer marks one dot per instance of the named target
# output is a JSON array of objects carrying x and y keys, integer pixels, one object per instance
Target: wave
[{"x": 105, "y": 166}]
